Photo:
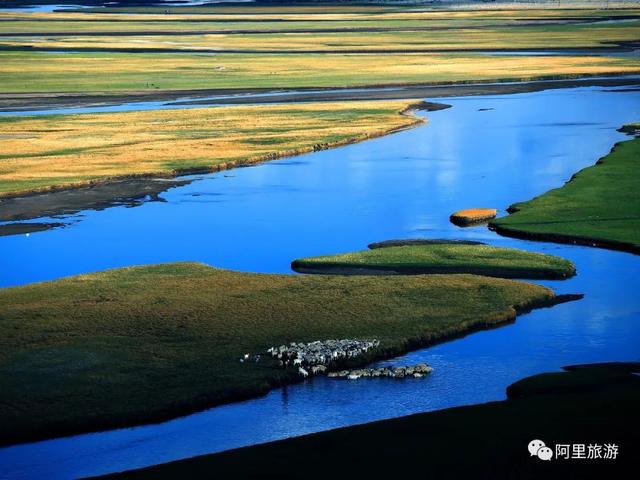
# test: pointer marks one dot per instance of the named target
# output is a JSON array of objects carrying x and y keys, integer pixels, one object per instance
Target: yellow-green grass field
[
  {"x": 599, "y": 206},
  {"x": 539, "y": 37},
  {"x": 25, "y": 72},
  {"x": 44, "y": 152},
  {"x": 295, "y": 29},
  {"x": 141, "y": 344}
]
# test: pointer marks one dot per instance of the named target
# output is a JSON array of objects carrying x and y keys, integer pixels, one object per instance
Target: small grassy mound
[
  {"x": 441, "y": 258},
  {"x": 143, "y": 344},
  {"x": 486, "y": 441},
  {"x": 600, "y": 206},
  {"x": 471, "y": 216}
]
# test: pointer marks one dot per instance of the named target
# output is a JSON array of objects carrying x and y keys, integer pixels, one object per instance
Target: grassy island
[
  {"x": 472, "y": 216},
  {"x": 599, "y": 206},
  {"x": 141, "y": 344},
  {"x": 441, "y": 258},
  {"x": 487, "y": 441}
]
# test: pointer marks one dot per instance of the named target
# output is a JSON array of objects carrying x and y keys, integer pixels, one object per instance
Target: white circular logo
[
  {"x": 537, "y": 448},
  {"x": 534, "y": 446}
]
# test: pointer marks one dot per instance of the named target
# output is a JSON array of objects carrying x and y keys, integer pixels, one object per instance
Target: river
[{"x": 400, "y": 186}]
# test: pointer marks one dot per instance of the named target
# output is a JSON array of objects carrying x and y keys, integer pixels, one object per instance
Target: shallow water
[
  {"x": 44, "y": 8},
  {"x": 339, "y": 94},
  {"x": 403, "y": 185},
  {"x": 181, "y": 102},
  {"x": 39, "y": 8}
]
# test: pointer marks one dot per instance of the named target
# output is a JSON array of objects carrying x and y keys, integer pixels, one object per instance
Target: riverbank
[
  {"x": 90, "y": 149},
  {"x": 37, "y": 102},
  {"x": 598, "y": 207},
  {"x": 438, "y": 258},
  {"x": 142, "y": 189},
  {"x": 145, "y": 344},
  {"x": 593, "y": 405}
]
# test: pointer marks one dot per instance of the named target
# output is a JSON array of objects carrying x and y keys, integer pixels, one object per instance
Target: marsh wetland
[{"x": 104, "y": 214}]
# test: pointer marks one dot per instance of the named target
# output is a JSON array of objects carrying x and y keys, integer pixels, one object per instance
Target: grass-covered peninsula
[
  {"x": 594, "y": 405},
  {"x": 441, "y": 258},
  {"x": 599, "y": 206},
  {"x": 40, "y": 153},
  {"x": 142, "y": 344}
]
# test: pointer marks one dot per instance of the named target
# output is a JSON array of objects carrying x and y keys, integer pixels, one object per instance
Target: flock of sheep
[{"x": 317, "y": 357}]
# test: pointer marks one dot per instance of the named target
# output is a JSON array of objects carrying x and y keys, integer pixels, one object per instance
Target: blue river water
[{"x": 400, "y": 186}]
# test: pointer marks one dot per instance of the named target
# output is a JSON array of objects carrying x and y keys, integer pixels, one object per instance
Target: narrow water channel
[{"x": 403, "y": 185}]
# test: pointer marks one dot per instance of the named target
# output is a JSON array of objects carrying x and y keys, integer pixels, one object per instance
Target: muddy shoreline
[
  {"x": 301, "y": 267},
  {"x": 530, "y": 21},
  {"x": 128, "y": 193},
  {"x": 326, "y": 51},
  {"x": 258, "y": 31},
  {"x": 27, "y": 228},
  {"x": 14, "y": 101},
  {"x": 421, "y": 241},
  {"x": 566, "y": 239}
]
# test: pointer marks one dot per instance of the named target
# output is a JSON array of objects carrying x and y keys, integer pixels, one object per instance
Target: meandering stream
[{"x": 399, "y": 186}]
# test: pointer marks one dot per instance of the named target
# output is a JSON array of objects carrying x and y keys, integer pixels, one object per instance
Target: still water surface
[{"x": 403, "y": 185}]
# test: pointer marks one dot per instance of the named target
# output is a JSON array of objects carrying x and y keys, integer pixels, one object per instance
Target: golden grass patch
[{"x": 60, "y": 150}]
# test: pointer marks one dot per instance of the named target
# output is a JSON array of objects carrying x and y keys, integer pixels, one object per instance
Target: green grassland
[
  {"x": 140, "y": 344},
  {"x": 487, "y": 441},
  {"x": 599, "y": 206},
  {"x": 442, "y": 258}
]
